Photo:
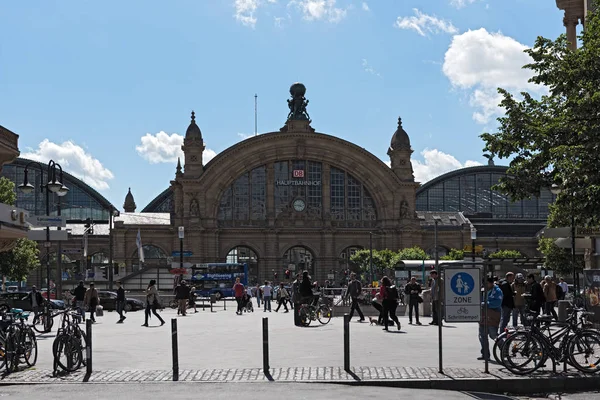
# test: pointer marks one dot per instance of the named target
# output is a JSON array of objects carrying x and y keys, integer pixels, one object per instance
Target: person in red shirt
[
  {"x": 389, "y": 300},
  {"x": 239, "y": 291}
]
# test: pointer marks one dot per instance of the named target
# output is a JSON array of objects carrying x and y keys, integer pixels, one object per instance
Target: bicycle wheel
[
  {"x": 523, "y": 353},
  {"x": 42, "y": 324},
  {"x": 2, "y": 350},
  {"x": 497, "y": 350},
  {"x": 304, "y": 315},
  {"x": 29, "y": 347},
  {"x": 67, "y": 353},
  {"x": 10, "y": 353},
  {"x": 584, "y": 352},
  {"x": 324, "y": 314},
  {"x": 4, "y": 308}
]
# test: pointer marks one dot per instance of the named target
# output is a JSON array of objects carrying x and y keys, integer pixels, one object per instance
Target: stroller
[{"x": 247, "y": 304}]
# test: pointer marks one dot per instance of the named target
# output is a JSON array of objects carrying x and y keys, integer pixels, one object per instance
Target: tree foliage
[
  {"x": 385, "y": 259},
  {"x": 454, "y": 254},
  {"x": 17, "y": 263},
  {"x": 554, "y": 139},
  {"x": 413, "y": 253},
  {"x": 506, "y": 254}
]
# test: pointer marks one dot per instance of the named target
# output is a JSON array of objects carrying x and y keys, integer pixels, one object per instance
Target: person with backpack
[
  {"x": 389, "y": 299},
  {"x": 354, "y": 291},
  {"x": 413, "y": 290}
]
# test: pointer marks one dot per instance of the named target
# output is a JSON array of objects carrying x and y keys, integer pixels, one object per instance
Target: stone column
[{"x": 570, "y": 22}]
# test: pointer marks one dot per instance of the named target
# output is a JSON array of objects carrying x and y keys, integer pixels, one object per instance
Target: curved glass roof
[
  {"x": 80, "y": 203},
  {"x": 469, "y": 190}
]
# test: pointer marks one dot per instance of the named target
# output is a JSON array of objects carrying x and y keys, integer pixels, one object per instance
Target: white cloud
[
  {"x": 461, "y": 3},
  {"x": 424, "y": 24},
  {"x": 368, "y": 68},
  {"x": 320, "y": 10},
  {"x": 436, "y": 163},
  {"x": 245, "y": 12},
  {"x": 165, "y": 148},
  {"x": 480, "y": 62},
  {"x": 365, "y": 6},
  {"x": 74, "y": 160}
]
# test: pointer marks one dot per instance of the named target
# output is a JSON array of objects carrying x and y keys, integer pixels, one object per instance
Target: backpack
[{"x": 392, "y": 293}]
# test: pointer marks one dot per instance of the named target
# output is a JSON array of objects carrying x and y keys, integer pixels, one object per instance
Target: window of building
[
  {"x": 245, "y": 255},
  {"x": 299, "y": 259},
  {"x": 246, "y": 198}
]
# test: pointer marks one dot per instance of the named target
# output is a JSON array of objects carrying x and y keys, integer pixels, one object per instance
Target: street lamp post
[
  {"x": 556, "y": 190},
  {"x": 473, "y": 237},
  {"x": 53, "y": 184},
  {"x": 370, "y": 257},
  {"x": 181, "y": 235}
]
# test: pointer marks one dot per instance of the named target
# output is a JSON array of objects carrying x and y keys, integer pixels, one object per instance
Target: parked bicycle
[
  {"x": 17, "y": 341},
  {"x": 44, "y": 320},
  {"x": 69, "y": 344},
  {"x": 310, "y": 312},
  {"x": 525, "y": 351}
]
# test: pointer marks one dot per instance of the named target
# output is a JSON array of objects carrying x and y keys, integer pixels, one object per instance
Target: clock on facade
[{"x": 299, "y": 205}]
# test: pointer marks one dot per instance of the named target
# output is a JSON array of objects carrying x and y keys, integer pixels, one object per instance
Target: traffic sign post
[{"x": 462, "y": 297}]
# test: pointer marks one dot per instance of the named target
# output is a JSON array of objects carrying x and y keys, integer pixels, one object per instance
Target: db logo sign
[{"x": 298, "y": 173}]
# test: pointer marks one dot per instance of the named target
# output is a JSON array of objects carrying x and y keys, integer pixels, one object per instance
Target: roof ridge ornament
[
  {"x": 298, "y": 103},
  {"x": 193, "y": 117}
]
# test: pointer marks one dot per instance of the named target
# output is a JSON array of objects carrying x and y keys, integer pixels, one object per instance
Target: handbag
[
  {"x": 419, "y": 299},
  {"x": 493, "y": 317}
]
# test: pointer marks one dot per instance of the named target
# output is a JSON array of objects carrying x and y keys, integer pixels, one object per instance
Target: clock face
[{"x": 299, "y": 205}]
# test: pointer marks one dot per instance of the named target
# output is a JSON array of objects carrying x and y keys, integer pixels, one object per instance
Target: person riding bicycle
[{"x": 306, "y": 290}]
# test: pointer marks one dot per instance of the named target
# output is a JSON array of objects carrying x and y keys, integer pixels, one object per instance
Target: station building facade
[{"x": 292, "y": 199}]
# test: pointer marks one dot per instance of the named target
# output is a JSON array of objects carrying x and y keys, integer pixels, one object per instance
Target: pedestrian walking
[
  {"x": 258, "y": 295},
  {"x": 238, "y": 290},
  {"x": 389, "y": 298},
  {"x": 192, "y": 300},
  {"x": 267, "y": 291},
  {"x": 182, "y": 295},
  {"x": 508, "y": 301},
  {"x": 296, "y": 291},
  {"x": 551, "y": 298},
  {"x": 282, "y": 298},
  {"x": 36, "y": 300},
  {"x": 354, "y": 292},
  {"x": 120, "y": 302},
  {"x": 494, "y": 313},
  {"x": 519, "y": 288},
  {"x": 152, "y": 303},
  {"x": 79, "y": 295},
  {"x": 413, "y": 290},
  {"x": 91, "y": 301},
  {"x": 565, "y": 288},
  {"x": 436, "y": 295}
]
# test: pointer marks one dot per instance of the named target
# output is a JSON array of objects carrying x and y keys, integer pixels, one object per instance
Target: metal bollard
[
  {"x": 175, "y": 349},
  {"x": 88, "y": 347},
  {"x": 346, "y": 342},
  {"x": 224, "y": 304},
  {"x": 265, "y": 330}
]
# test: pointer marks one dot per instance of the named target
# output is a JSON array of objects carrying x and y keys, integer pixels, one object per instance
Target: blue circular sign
[{"x": 462, "y": 283}]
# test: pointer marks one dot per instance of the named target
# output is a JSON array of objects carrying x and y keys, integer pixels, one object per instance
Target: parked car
[
  {"x": 19, "y": 300},
  {"x": 108, "y": 300},
  {"x": 44, "y": 293}
]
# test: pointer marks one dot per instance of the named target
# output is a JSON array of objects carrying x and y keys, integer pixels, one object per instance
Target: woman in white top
[
  {"x": 282, "y": 298},
  {"x": 152, "y": 303}
]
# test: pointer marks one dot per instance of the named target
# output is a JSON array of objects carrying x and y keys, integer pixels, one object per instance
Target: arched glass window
[
  {"x": 245, "y": 255},
  {"x": 350, "y": 200},
  {"x": 246, "y": 198},
  {"x": 298, "y": 259},
  {"x": 298, "y": 179},
  {"x": 151, "y": 252}
]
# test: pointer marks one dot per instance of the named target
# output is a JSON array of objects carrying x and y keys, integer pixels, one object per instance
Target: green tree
[
  {"x": 554, "y": 139},
  {"x": 506, "y": 254},
  {"x": 557, "y": 258},
  {"x": 412, "y": 253},
  {"x": 454, "y": 254},
  {"x": 17, "y": 263},
  {"x": 361, "y": 259}
]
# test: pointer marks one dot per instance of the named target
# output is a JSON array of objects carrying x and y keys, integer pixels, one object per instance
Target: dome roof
[
  {"x": 193, "y": 131},
  {"x": 129, "y": 205},
  {"x": 400, "y": 139}
]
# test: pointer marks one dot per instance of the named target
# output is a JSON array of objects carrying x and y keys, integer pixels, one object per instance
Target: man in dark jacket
[
  {"x": 120, "y": 302},
  {"x": 79, "y": 293},
  {"x": 354, "y": 291},
  {"x": 536, "y": 294},
  {"x": 182, "y": 294},
  {"x": 413, "y": 290},
  {"x": 508, "y": 300},
  {"x": 36, "y": 300},
  {"x": 306, "y": 290}
]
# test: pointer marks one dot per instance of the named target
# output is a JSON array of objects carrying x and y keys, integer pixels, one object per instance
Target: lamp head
[
  {"x": 26, "y": 188},
  {"x": 54, "y": 186},
  {"x": 555, "y": 189}
]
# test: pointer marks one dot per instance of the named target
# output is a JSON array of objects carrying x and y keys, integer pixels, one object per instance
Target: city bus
[{"x": 217, "y": 278}]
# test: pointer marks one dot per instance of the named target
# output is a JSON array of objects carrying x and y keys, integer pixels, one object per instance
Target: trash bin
[
  {"x": 213, "y": 298},
  {"x": 297, "y": 320},
  {"x": 563, "y": 305}
]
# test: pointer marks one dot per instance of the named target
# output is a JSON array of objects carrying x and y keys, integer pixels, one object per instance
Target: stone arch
[
  {"x": 245, "y": 254},
  {"x": 381, "y": 183},
  {"x": 302, "y": 257},
  {"x": 442, "y": 250},
  {"x": 153, "y": 255}
]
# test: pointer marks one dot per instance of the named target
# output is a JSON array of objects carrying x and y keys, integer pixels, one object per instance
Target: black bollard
[
  {"x": 175, "y": 349},
  {"x": 265, "y": 326},
  {"x": 346, "y": 342},
  {"x": 224, "y": 304},
  {"x": 88, "y": 347}
]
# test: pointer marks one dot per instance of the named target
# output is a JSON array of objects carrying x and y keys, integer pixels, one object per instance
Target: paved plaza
[{"x": 224, "y": 340}]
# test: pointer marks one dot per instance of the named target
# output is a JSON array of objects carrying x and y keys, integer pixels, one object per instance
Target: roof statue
[
  {"x": 490, "y": 158},
  {"x": 298, "y": 103}
]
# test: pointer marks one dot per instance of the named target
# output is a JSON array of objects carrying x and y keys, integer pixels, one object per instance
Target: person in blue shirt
[{"x": 494, "y": 311}]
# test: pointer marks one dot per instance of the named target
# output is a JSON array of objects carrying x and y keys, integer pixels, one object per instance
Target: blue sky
[{"x": 106, "y": 87}]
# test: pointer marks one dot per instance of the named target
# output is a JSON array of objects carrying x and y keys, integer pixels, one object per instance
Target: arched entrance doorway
[
  {"x": 345, "y": 265},
  {"x": 153, "y": 256},
  {"x": 245, "y": 255},
  {"x": 298, "y": 259}
]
